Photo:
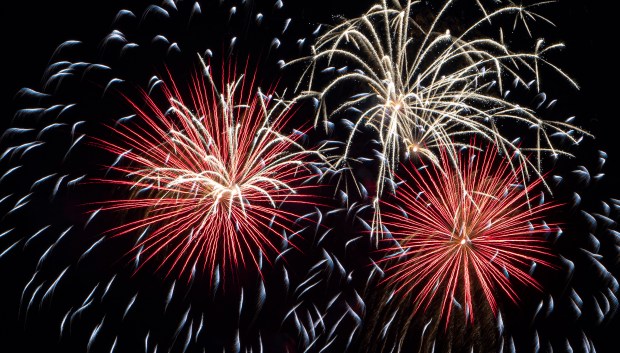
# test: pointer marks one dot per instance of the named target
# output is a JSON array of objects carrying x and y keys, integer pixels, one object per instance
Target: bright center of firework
[
  {"x": 225, "y": 194},
  {"x": 396, "y": 104},
  {"x": 464, "y": 239}
]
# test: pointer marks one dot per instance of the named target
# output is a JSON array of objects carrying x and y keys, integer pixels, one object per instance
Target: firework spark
[
  {"x": 421, "y": 87},
  {"x": 459, "y": 236},
  {"x": 211, "y": 176},
  {"x": 584, "y": 298}
]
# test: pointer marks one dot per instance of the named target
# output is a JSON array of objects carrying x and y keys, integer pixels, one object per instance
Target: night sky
[{"x": 33, "y": 30}]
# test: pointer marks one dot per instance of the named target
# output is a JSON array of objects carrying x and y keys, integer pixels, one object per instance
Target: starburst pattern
[
  {"x": 211, "y": 176},
  {"x": 463, "y": 231}
]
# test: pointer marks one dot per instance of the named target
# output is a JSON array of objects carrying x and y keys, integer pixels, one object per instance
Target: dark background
[{"x": 33, "y": 29}]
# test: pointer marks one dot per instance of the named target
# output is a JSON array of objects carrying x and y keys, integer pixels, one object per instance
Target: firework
[
  {"x": 98, "y": 297},
  {"x": 212, "y": 176},
  {"x": 421, "y": 87},
  {"x": 456, "y": 237},
  {"x": 580, "y": 299},
  {"x": 406, "y": 80}
]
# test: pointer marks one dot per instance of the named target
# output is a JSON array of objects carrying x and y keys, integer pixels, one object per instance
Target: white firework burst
[{"x": 420, "y": 87}]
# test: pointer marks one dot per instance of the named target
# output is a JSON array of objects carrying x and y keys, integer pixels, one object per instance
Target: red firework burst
[
  {"x": 463, "y": 229},
  {"x": 212, "y": 176}
]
